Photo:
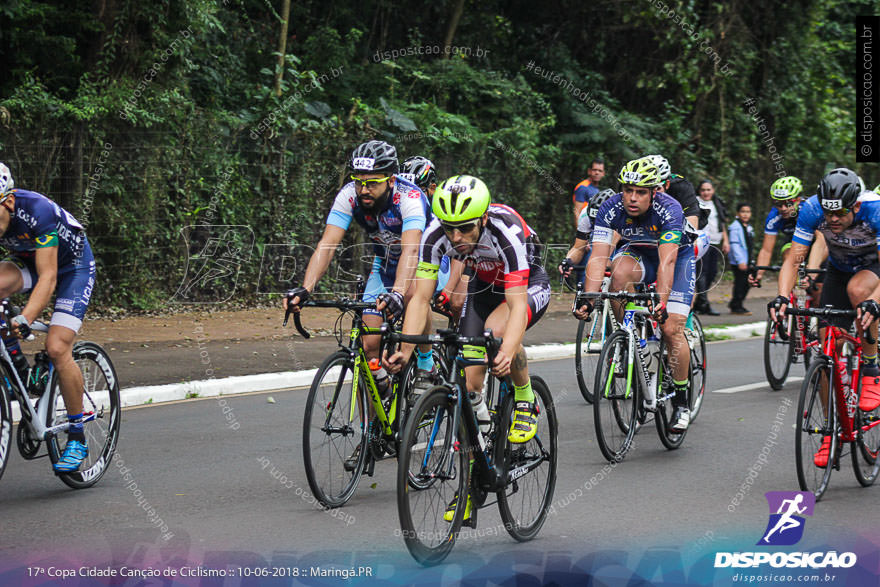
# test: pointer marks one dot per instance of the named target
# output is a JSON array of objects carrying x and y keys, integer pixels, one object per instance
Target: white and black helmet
[
  {"x": 6, "y": 183},
  {"x": 662, "y": 166},
  {"x": 597, "y": 201},
  {"x": 420, "y": 171},
  {"x": 374, "y": 157}
]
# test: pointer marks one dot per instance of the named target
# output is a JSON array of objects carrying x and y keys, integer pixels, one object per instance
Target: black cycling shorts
[
  {"x": 834, "y": 291},
  {"x": 483, "y": 298}
]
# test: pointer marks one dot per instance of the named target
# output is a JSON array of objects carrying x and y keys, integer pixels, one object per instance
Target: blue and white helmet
[{"x": 6, "y": 183}]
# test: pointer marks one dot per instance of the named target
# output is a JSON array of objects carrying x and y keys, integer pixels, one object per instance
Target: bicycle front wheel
[
  {"x": 815, "y": 423},
  {"x": 432, "y": 478},
  {"x": 5, "y": 429},
  {"x": 102, "y": 414},
  {"x": 665, "y": 408},
  {"x": 617, "y": 397},
  {"x": 866, "y": 448},
  {"x": 334, "y": 424},
  {"x": 588, "y": 345},
  {"x": 529, "y": 468},
  {"x": 697, "y": 342},
  {"x": 778, "y": 353}
]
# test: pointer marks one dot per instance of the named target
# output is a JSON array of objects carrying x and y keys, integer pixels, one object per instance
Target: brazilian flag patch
[
  {"x": 671, "y": 236},
  {"x": 47, "y": 240}
]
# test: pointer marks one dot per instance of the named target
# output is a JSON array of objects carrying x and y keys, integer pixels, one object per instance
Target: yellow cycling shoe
[
  {"x": 450, "y": 510},
  {"x": 525, "y": 423}
]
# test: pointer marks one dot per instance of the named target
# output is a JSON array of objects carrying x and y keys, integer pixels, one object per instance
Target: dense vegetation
[{"x": 143, "y": 118}]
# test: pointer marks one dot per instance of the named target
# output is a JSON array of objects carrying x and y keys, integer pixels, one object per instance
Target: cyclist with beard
[{"x": 393, "y": 212}]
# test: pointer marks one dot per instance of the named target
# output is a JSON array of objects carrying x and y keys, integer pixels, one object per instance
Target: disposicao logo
[{"x": 785, "y": 528}]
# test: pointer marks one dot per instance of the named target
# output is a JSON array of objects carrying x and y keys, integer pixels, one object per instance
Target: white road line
[{"x": 751, "y": 386}]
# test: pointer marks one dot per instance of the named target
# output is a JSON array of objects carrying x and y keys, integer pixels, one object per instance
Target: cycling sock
[
  {"x": 680, "y": 397},
  {"x": 524, "y": 393},
  {"x": 869, "y": 360},
  {"x": 690, "y": 322},
  {"x": 75, "y": 432},
  {"x": 425, "y": 360}
]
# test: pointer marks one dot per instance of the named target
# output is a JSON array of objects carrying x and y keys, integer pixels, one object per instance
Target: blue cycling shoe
[{"x": 74, "y": 454}]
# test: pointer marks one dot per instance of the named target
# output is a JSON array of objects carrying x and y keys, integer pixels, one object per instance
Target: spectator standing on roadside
[
  {"x": 589, "y": 187},
  {"x": 742, "y": 237},
  {"x": 716, "y": 229}
]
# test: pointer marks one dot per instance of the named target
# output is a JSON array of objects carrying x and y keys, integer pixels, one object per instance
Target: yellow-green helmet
[
  {"x": 786, "y": 188},
  {"x": 640, "y": 172},
  {"x": 460, "y": 198}
]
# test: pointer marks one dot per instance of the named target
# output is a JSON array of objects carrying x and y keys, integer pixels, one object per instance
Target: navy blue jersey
[
  {"x": 39, "y": 222},
  {"x": 776, "y": 224},
  {"x": 662, "y": 223},
  {"x": 407, "y": 209},
  {"x": 853, "y": 249}
]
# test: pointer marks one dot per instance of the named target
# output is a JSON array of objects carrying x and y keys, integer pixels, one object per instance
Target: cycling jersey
[
  {"x": 584, "y": 225},
  {"x": 503, "y": 256},
  {"x": 662, "y": 223},
  {"x": 683, "y": 192},
  {"x": 407, "y": 208},
  {"x": 776, "y": 224},
  {"x": 853, "y": 249},
  {"x": 38, "y": 222}
]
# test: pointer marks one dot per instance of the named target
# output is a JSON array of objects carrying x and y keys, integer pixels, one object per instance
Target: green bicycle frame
[
  {"x": 361, "y": 368},
  {"x": 629, "y": 310}
]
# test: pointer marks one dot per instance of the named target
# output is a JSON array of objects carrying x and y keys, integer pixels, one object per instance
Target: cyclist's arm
[
  {"x": 517, "y": 300},
  {"x": 578, "y": 206},
  {"x": 578, "y": 250},
  {"x": 322, "y": 256},
  {"x": 46, "y": 260},
  {"x": 668, "y": 253},
  {"x": 456, "y": 268},
  {"x": 818, "y": 252},
  {"x": 788, "y": 273},
  {"x": 596, "y": 266},
  {"x": 419, "y": 305},
  {"x": 409, "y": 260},
  {"x": 766, "y": 252}
]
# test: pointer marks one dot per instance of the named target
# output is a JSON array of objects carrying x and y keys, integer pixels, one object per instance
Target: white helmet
[
  {"x": 662, "y": 166},
  {"x": 6, "y": 183}
]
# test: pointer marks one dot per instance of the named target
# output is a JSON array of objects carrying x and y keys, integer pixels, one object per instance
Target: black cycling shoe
[
  {"x": 680, "y": 419},
  {"x": 351, "y": 462}
]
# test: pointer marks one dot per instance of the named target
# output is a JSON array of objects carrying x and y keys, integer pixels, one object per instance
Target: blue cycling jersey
[
  {"x": 407, "y": 208},
  {"x": 853, "y": 249},
  {"x": 39, "y": 222},
  {"x": 776, "y": 224},
  {"x": 663, "y": 223}
]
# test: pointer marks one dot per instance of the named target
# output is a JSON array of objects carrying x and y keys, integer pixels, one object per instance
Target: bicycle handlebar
[
  {"x": 829, "y": 313},
  {"x": 446, "y": 336},
  {"x": 343, "y": 304},
  {"x": 620, "y": 295}
]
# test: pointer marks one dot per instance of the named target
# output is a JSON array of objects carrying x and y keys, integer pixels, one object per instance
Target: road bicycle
[
  {"x": 633, "y": 378},
  {"x": 838, "y": 418},
  {"x": 794, "y": 339},
  {"x": 445, "y": 456},
  {"x": 46, "y": 418}
]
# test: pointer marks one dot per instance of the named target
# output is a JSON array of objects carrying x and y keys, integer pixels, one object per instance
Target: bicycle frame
[
  {"x": 834, "y": 337},
  {"x": 637, "y": 331}
]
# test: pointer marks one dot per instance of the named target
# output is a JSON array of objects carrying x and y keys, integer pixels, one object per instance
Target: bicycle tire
[
  {"x": 866, "y": 448},
  {"x": 585, "y": 359},
  {"x": 699, "y": 365},
  {"x": 521, "y": 522},
  {"x": 615, "y": 407},
  {"x": 671, "y": 440},
  {"x": 813, "y": 423},
  {"x": 778, "y": 354},
  {"x": 331, "y": 402},
  {"x": 427, "y": 503},
  {"x": 5, "y": 430},
  {"x": 101, "y": 394}
]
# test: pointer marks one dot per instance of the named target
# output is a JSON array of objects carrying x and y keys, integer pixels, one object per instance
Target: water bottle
[
  {"x": 383, "y": 382},
  {"x": 36, "y": 382},
  {"x": 651, "y": 353},
  {"x": 843, "y": 373},
  {"x": 18, "y": 359},
  {"x": 482, "y": 411}
]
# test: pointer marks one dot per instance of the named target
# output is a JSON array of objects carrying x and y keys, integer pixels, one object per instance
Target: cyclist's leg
[
  {"x": 72, "y": 300},
  {"x": 859, "y": 289},
  {"x": 627, "y": 269},
  {"x": 680, "y": 298},
  {"x": 478, "y": 305},
  {"x": 16, "y": 275},
  {"x": 378, "y": 282}
]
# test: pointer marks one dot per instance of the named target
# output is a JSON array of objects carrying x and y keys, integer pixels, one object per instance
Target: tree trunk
[
  {"x": 282, "y": 47},
  {"x": 453, "y": 25}
]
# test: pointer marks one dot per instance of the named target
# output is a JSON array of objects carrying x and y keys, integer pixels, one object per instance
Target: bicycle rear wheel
[
  {"x": 530, "y": 467},
  {"x": 588, "y": 345},
  {"x": 334, "y": 426},
  {"x": 615, "y": 404},
  {"x": 665, "y": 386},
  {"x": 778, "y": 353},
  {"x": 5, "y": 429},
  {"x": 102, "y": 414},
  {"x": 866, "y": 448},
  {"x": 441, "y": 472},
  {"x": 697, "y": 342},
  {"x": 814, "y": 423}
]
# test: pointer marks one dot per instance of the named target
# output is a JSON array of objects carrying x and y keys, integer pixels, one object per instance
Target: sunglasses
[
  {"x": 839, "y": 213},
  {"x": 464, "y": 227},
  {"x": 368, "y": 183}
]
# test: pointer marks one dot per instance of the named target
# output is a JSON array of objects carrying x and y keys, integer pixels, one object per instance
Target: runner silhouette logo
[{"x": 787, "y": 511}]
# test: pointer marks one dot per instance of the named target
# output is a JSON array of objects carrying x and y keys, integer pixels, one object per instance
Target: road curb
[{"x": 155, "y": 394}]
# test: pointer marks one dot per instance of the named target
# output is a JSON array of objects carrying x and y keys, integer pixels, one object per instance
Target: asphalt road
[{"x": 660, "y": 515}]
